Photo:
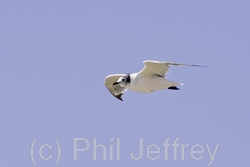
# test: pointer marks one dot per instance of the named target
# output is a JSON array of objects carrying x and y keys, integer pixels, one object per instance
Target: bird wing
[
  {"x": 116, "y": 90},
  {"x": 159, "y": 68}
]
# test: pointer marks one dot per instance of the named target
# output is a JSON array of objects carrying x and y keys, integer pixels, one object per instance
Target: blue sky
[{"x": 54, "y": 56}]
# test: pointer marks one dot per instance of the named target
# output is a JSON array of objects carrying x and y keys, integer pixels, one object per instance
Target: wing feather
[
  {"x": 159, "y": 68},
  {"x": 116, "y": 90}
]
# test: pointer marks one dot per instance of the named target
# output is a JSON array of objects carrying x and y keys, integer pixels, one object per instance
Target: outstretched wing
[
  {"x": 116, "y": 90},
  {"x": 159, "y": 68}
]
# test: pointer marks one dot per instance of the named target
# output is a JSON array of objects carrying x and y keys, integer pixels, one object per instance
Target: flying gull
[{"x": 151, "y": 78}]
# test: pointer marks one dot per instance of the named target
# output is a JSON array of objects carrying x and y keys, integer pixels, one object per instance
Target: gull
[{"x": 151, "y": 78}]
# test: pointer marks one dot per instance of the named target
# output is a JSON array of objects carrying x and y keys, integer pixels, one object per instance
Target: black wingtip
[
  {"x": 173, "y": 88},
  {"x": 119, "y": 97},
  {"x": 199, "y": 66}
]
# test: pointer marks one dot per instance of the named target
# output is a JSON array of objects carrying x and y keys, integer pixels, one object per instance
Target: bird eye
[{"x": 123, "y": 79}]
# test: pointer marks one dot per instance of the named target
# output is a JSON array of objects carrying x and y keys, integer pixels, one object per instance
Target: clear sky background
[{"x": 55, "y": 55}]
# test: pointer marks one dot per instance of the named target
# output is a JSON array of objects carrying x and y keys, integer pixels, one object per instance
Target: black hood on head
[{"x": 128, "y": 78}]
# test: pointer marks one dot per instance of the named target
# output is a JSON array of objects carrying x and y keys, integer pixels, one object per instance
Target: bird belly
[{"x": 147, "y": 85}]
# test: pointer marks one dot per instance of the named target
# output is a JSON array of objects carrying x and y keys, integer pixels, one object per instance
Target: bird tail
[{"x": 176, "y": 83}]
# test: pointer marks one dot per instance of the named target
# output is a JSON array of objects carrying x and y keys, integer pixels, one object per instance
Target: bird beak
[{"x": 116, "y": 83}]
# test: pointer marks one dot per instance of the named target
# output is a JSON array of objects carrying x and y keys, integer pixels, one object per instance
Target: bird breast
[{"x": 147, "y": 85}]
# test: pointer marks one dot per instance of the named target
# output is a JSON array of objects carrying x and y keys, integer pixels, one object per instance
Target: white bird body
[
  {"x": 151, "y": 78},
  {"x": 150, "y": 84}
]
